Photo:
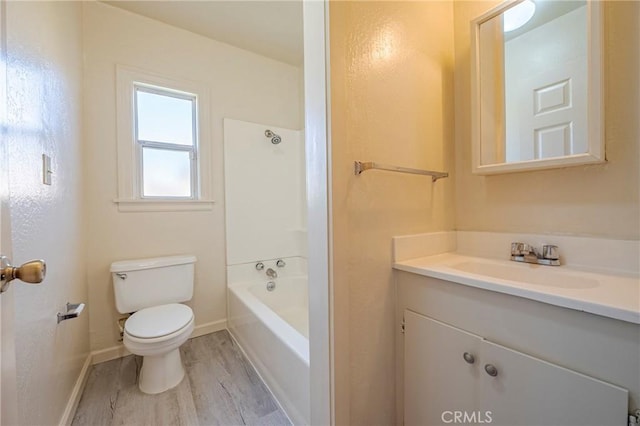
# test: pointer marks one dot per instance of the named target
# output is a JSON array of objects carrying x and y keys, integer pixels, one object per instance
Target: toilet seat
[
  {"x": 158, "y": 321},
  {"x": 158, "y": 345}
]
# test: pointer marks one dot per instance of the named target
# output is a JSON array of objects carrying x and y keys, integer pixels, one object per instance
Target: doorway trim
[{"x": 317, "y": 145}]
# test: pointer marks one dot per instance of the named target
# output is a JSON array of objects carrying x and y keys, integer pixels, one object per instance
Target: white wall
[
  {"x": 243, "y": 86},
  {"x": 45, "y": 111},
  {"x": 263, "y": 193}
]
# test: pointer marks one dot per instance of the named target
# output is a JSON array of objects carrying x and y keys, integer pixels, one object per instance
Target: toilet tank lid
[{"x": 154, "y": 262}]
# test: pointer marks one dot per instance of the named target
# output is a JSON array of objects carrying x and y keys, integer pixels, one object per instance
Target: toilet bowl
[
  {"x": 156, "y": 334},
  {"x": 153, "y": 289}
]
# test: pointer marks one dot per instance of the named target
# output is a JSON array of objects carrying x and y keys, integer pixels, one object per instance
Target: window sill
[{"x": 163, "y": 205}]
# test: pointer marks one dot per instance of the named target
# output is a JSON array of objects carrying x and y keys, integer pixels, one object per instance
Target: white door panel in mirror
[{"x": 552, "y": 122}]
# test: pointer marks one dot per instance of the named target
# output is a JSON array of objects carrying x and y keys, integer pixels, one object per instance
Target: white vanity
[{"x": 487, "y": 340}]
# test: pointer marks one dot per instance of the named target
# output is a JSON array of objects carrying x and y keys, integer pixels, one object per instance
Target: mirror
[{"x": 536, "y": 86}]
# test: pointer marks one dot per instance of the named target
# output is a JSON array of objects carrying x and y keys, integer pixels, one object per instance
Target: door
[
  {"x": 440, "y": 372},
  {"x": 546, "y": 89},
  {"x": 8, "y": 403},
  {"x": 529, "y": 391},
  {"x": 554, "y": 121}
]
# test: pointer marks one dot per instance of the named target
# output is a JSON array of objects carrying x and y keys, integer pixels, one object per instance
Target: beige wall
[
  {"x": 598, "y": 200},
  {"x": 243, "y": 86},
  {"x": 391, "y": 102},
  {"x": 45, "y": 103}
]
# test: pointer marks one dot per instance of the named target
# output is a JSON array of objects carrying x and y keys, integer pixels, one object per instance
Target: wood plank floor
[{"x": 220, "y": 388}]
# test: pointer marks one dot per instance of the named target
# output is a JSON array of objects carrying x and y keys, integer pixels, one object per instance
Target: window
[
  {"x": 166, "y": 135},
  {"x": 163, "y": 137}
]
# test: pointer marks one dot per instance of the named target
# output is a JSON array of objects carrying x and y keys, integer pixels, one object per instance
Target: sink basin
[{"x": 527, "y": 273}]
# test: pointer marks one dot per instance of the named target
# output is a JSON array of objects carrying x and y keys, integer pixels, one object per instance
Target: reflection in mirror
[{"x": 537, "y": 94}]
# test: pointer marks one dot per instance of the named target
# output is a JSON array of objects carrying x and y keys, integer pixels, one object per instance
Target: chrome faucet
[
  {"x": 271, "y": 273},
  {"x": 521, "y": 252}
]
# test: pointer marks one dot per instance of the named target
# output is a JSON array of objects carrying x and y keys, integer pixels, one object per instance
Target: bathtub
[{"x": 272, "y": 328}]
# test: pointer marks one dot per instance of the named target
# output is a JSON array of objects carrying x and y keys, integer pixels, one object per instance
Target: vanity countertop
[{"x": 608, "y": 295}]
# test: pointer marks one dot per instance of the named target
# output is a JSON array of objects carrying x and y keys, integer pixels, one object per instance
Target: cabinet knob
[
  {"x": 491, "y": 370},
  {"x": 469, "y": 358}
]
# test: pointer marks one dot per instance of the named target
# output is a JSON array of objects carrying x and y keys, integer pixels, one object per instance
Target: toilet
[{"x": 153, "y": 290}]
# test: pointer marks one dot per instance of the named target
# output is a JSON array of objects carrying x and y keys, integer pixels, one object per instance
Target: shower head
[{"x": 275, "y": 138}]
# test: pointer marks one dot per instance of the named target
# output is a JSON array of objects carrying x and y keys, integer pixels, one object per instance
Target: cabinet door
[
  {"x": 529, "y": 391},
  {"x": 437, "y": 379}
]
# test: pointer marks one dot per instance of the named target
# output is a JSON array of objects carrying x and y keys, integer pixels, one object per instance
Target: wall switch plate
[{"x": 46, "y": 169}]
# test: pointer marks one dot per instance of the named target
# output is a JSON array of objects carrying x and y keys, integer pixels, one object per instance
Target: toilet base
[{"x": 161, "y": 372}]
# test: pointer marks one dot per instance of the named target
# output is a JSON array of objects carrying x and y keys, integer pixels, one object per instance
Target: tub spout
[{"x": 271, "y": 273}]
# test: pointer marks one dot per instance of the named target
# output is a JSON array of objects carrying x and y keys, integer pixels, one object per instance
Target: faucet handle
[
  {"x": 514, "y": 249},
  {"x": 550, "y": 252},
  {"x": 519, "y": 249}
]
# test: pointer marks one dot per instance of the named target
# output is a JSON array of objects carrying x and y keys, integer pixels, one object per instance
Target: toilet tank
[{"x": 143, "y": 283}]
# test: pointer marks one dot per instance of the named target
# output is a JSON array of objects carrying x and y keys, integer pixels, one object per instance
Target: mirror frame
[{"x": 595, "y": 107}]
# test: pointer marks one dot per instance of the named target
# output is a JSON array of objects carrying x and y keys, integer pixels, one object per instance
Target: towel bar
[{"x": 360, "y": 167}]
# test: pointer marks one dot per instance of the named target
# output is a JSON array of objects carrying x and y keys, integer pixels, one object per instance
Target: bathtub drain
[{"x": 271, "y": 286}]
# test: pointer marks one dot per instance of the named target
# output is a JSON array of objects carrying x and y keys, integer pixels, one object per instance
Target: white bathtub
[{"x": 272, "y": 327}]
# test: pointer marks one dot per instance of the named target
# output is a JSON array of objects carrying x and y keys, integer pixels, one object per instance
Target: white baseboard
[
  {"x": 109, "y": 354},
  {"x": 76, "y": 393},
  {"x": 209, "y": 327},
  {"x": 120, "y": 351}
]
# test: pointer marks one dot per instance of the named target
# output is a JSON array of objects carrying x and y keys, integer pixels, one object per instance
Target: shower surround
[{"x": 268, "y": 307}]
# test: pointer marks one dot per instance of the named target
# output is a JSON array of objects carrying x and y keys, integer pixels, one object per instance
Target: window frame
[{"x": 129, "y": 152}]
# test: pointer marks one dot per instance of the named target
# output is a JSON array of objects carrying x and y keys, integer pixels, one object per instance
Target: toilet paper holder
[{"x": 73, "y": 311}]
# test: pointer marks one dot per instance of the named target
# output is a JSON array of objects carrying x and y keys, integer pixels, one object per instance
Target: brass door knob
[{"x": 32, "y": 272}]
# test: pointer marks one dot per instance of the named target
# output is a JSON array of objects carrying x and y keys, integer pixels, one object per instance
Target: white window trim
[{"x": 129, "y": 199}]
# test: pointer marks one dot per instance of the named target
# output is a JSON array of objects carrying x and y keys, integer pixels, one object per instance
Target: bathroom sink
[
  {"x": 610, "y": 295},
  {"x": 527, "y": 273}
]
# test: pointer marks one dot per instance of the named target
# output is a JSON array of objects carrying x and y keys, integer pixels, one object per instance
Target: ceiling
[{"x": 268, "y": 28}]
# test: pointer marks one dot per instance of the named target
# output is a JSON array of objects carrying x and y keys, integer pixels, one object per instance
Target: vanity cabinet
[
  {"x": 451, "y": 373},
  {"x": 437, "y": 378}
]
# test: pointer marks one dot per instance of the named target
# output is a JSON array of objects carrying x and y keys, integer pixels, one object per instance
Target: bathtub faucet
[{"x": 271, "y": 273}]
